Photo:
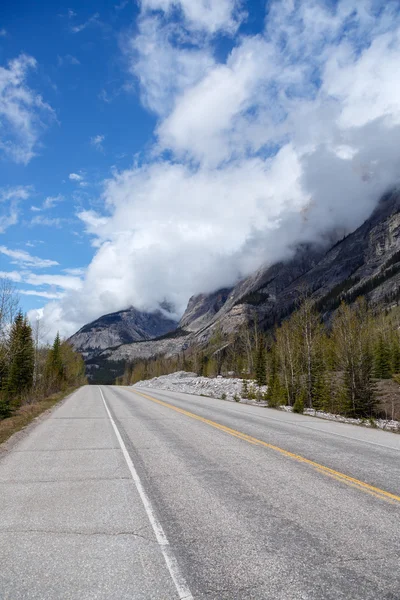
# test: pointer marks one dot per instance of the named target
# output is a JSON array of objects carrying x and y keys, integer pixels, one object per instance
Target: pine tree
[
  {"x": 275, "y": 395},
  {"x": 54, "y": 365},
  {"x": 366, "y": 402},
  {"x": 22, "y": 359},
  {"x": 319, "y": 386},
  {"x": 382, "y": 366},
  {"x": 395, "y": 353},
  {"x": 261, "y": 367}
]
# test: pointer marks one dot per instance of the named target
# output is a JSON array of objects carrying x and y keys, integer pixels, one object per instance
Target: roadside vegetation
[
  {"x": 33, "y": 375},
  {"x": 347, "y": 365}
]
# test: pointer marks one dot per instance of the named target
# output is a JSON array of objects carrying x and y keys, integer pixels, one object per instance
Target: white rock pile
[
  {"x": 231, "y": 389},
  {"x": 190, "y": 383}
]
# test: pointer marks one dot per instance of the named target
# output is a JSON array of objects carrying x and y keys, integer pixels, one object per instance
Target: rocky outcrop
[{"x": 202, "y": 309}]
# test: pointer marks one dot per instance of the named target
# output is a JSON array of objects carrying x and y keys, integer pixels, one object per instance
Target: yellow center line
[{"x": 361, "y": 485}]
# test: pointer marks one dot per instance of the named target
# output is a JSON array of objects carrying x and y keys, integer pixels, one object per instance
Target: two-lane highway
[{"x": 142, "y": 494}]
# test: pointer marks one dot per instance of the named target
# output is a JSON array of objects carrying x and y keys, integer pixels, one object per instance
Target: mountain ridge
[{"x": 365, "y": 262}]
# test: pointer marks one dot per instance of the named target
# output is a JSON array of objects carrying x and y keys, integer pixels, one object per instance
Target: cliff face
[
  {"x": 202, "y": 308},
  {"x": 366, "y": 262}
]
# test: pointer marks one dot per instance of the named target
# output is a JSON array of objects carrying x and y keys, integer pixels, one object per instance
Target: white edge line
[{"x": 169, "y": 557}]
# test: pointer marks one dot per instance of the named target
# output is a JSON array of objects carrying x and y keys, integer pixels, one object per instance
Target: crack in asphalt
[{"x": 83, "y": 533}]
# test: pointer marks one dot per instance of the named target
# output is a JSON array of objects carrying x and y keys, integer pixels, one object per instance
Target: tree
[
  {"x": 261, "y": 367},
  {"x": 54, "y": 365},
  {"x": 319, "y": 385},
  {"x": 22, "y": 362},
  {"x": 275, "y": 393},
  {"x": 382, "y": 366},
  {"x": 352, "y": 331},
  {"x": 8, "y": 309}
]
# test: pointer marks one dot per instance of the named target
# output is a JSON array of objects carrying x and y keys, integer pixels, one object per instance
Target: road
[{"x": 143, "y": 494}]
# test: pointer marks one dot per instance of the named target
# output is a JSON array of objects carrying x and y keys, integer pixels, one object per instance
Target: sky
[{"x": 155, "y": 149}]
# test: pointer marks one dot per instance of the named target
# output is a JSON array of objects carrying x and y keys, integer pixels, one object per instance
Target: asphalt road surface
[{"x": 144, "y": 494}]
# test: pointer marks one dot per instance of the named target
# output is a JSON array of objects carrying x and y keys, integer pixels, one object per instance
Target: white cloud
[
  {"x": 93, "y": 20},
  {"x": 209, "y": 15},
  {"x": 68, "y": 59},
  {"x": 3, "y": 32},
  {"x": 24, "y": 259},
  {"x": 65, "y": 282},
  {"x": 78, "y": 271},
  {"x": 162, "y": 71},
  {"x": 23, "y": 113},
  {"x": 10, "y": 199},
  {"x": 46, "y": 221},
  {"x": 75, "y": 177},
  {"x": 42, "y": 294},
  {"x": 48, "y": 203},
  {"x": 121, "y": 5},
  {"x": 11, "y": 275},
  {"x": 97, "y": 142},
  {"x": 296, "y": 134},
  {"x": 52, "y": 201}
]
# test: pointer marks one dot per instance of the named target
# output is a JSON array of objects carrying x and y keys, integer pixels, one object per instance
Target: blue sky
[
  {"x": 82, "y": 77},
  {"x": 156, "y": 149}
]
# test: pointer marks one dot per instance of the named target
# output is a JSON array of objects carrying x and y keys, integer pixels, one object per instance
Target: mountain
[
  {"x": 122, "y": 327},
  {"x": 366, "y": 262}
]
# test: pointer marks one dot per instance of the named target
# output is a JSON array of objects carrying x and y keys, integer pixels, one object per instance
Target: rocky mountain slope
[
  {"x": 122, "y": 327},
  {"x": 366, "y": 262}
]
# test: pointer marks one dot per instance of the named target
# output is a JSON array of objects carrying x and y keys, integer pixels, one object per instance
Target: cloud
[
  {"x": 75, "y": 177},
  {"x": 68, "y": 59},
  {"x": 3, "y": 32},
  {"x": 65, "y": 282},
  {"x": 97, "y": 142},
  {"x": 93, "y": 20},
  {"x": 52, "y": 201},
  {"x": 10, "y": 199},
  {"x": 42, "y": 294},
  {"x": 162, "y": 71},
  {"x": 48, "y": 203},
  {"x": 293, "y": 136},
  {"x": 24, "y": 259},
  {"x": 119, "y": 7},
  {"x": 62, "y": 282},
  {"x": 23, "y": 113},
  {"x": 11, "y": 275},
  {"x": 78, "y": 178},
  {"x": 208, "y": 15},
  {"x": 46, "y": 221},
  {"x": 78, "y": 271}
]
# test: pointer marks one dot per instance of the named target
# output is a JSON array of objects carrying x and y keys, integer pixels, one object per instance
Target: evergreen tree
[
  {"x": 54, "y": 365},
  {"x": 22, "y": 359},
  {"x": 395, "y": 353},
  {"x": 382, "y": 362},
  {"x": 319, "y": 386},
  {"x": 261, "y": 367},
  {"x": 275, "y": 395},
  {"x": 366, "y": 397}
]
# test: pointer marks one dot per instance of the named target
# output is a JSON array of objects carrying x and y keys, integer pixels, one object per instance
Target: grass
[{"x": 27, "y": 413}]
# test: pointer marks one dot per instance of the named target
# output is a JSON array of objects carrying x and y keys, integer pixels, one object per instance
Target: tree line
[
  {"x": 29, "y": 369},
  {"x": 348, "y": 365}
]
